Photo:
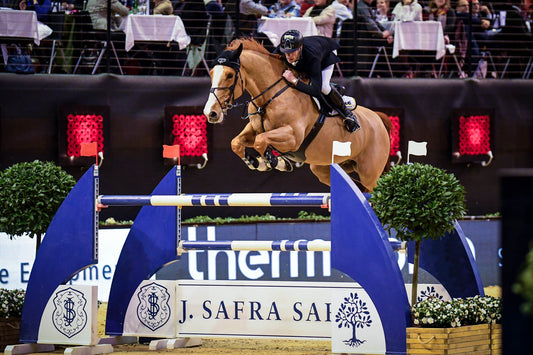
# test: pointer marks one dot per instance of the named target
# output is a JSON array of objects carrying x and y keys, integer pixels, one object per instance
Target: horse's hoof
[
  {"x": 270, "y": 160},
  {"x": 287, "y": 164},
  {"x": 251, "y": 162}
]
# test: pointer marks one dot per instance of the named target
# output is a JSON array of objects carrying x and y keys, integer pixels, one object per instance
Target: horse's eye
[{"x": 230, "y": 76}]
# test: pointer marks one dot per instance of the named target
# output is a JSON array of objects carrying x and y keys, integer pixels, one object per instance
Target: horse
[{"x": 285, "y": 125}]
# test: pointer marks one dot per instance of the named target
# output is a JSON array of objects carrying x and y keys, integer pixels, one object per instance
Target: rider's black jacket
[{"x": 317, "y": 54}]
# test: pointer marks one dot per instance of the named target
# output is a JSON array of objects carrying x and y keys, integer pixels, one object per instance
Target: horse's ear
[{"x": 237, "y": 52}]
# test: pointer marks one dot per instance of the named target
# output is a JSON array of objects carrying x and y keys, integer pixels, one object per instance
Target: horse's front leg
[
  {"x": 246, "y": 139},
  {"x": 284, "y": 139}
]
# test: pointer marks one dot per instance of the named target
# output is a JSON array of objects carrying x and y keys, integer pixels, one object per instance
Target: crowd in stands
[{"x": 484, "y": 38}]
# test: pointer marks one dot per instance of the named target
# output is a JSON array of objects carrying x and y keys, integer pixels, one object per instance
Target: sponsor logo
[
  {"x": 153, "y": 310},
  {"x": 69, "y": 316},
  {"x": 353, "y": 313}
]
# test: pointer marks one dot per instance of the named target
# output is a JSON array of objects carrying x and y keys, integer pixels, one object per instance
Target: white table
[
  {"x": 418, "y": 35},
  {"x": 156, "y": 28},
  {"x": 21, "y": 24},
  {"x": 275, "y": 27}
]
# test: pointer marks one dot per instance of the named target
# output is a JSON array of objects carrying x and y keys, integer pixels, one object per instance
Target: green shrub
[
  {"x": 418, "y": 201},
  {"x": 30, "y": 194},
  {"x": 524, "y": 284}
]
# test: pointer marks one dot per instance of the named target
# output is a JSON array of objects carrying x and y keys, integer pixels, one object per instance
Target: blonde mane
[{"x": 251, "y": 44}]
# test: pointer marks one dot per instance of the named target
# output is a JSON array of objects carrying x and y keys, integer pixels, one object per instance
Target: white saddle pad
[{"x": 348, "y": 101}]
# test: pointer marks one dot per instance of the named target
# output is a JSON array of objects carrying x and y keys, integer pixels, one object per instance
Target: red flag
[
  {"x": 89, "y": 149},
  {"x": 171, "y": 151}
]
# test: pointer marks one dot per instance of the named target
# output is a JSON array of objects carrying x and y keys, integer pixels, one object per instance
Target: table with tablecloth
[
  {"x": 275, "y": 27},
  {"x": 418, "y": 35},
  {"x": 21, "y": 24},
  {"x": 156, "y": 28}
]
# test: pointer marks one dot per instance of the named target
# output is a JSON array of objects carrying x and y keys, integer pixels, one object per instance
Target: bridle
[
  {"x": 228, "y": 105},
  {"x": 235, "y": 65}
]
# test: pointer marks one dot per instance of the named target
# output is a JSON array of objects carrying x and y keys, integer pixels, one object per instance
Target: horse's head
[{"x": 225, "y": 77}]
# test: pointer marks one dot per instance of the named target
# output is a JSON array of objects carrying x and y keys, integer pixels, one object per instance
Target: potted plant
[
  {"x": 461, "y": 326},
  {"x": 421, "y": 201},
  {"x": 30, "y": 194},
  {"x": 418, "y": 201},
  {"x": 11, "y": 302}
]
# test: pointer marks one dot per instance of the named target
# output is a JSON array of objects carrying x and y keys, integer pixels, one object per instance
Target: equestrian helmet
[{"x": 290, "y": 41}]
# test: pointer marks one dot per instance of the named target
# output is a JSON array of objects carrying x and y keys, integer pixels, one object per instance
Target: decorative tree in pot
[
  {"x": 418, "y": 201},
  {"x": 30, "y": 194}
]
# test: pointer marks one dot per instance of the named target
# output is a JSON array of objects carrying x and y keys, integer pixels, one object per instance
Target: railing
[{"x": 504, "y": 51}]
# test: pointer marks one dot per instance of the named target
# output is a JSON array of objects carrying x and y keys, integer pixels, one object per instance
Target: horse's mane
[{"x": 251, "y": 44}]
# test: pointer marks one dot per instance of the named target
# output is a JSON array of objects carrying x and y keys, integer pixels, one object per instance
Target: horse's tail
[{"x": 388, "y": 126}]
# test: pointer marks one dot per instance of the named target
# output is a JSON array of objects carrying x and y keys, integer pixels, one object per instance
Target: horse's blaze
[{"x": 212, "y": 109}]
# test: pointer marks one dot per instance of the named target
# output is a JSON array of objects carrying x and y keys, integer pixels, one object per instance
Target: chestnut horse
[{"x": 285, "y": 120}]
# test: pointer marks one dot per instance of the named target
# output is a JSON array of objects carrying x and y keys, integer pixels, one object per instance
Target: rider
[{"x": 315, "y": 57}]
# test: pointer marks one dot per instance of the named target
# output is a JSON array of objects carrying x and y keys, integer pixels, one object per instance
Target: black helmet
[{"x": 290, "y": 41}]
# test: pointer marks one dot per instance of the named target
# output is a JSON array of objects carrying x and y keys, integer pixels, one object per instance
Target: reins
[{"x": 260, "y": 110}]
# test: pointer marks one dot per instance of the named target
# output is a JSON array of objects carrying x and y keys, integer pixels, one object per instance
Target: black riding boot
[{"x": 336, "y": 101}]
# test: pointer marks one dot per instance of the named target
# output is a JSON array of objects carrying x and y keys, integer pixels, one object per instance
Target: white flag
[
  {"x": 417, "y": 148},
  {"x": 342, "y": 149}
]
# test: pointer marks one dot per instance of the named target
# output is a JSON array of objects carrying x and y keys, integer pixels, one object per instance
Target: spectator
[
  {"x": 284, "y": 8},
  {"x": 305, "y": 5},
  {"x": 371, "y": 35},
  {"x": 195, "y": 19},
  {"x": 440, "y": 10},
  {"x": 41, "y": 7},
  {"x": 407, "y": 10},
  {"x": 369, "y": 26},
  {"x": 323, "y": 15},
  {"x": 70, "y": 5},
  {"x": 383, "y": 14},
  {"x": 215, "y": 9},
  {"x": 462, "y": 16},
  {"x": 515, "y": 38},
  {"x": 480, "y": 14},
  {"x": 343, "y": 12},
  {"x": 163, "y": 7},
  {"x": 250, "y": 11},
  {"x": 343, "y": 9},
  {"x": 481, "y": 11},
  {"x": 98, "y": 11}
]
